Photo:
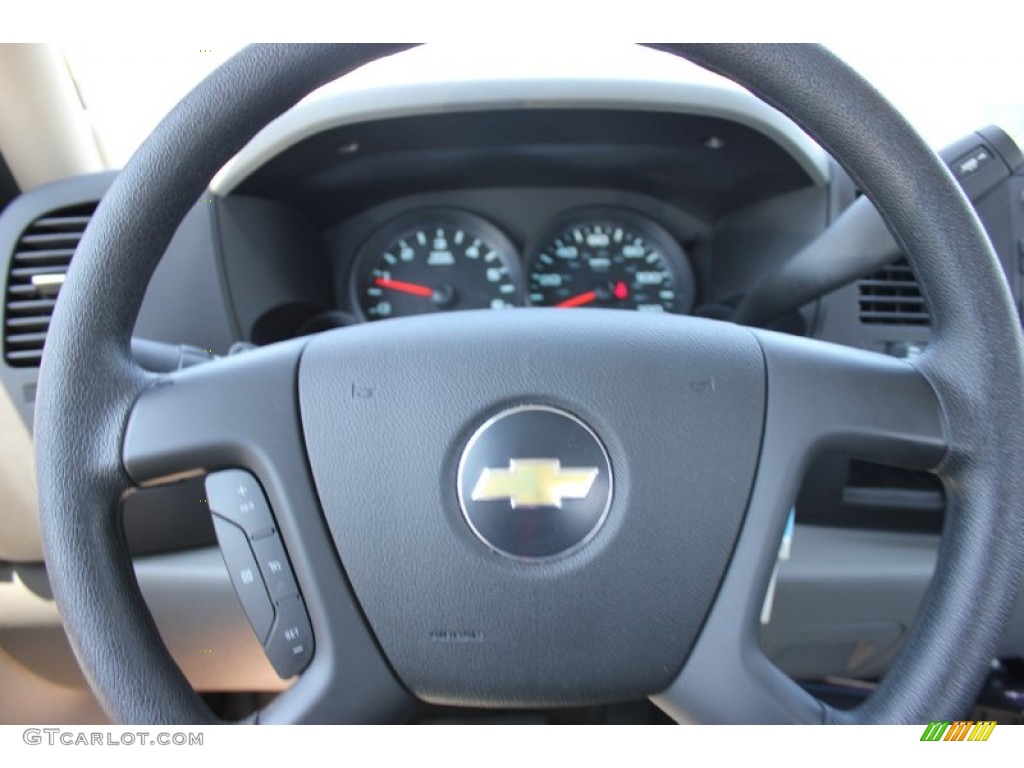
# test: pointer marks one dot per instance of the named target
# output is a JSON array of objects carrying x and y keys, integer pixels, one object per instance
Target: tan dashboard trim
[{"x": 19, "y": 518}]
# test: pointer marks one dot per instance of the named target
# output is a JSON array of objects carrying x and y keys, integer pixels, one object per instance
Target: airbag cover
[{"x": 388, "y": 409}]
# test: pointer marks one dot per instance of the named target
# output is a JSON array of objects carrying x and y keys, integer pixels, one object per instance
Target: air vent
[
  {"x": 891, "y": 296},
  {"x": 37, "y": 270}
]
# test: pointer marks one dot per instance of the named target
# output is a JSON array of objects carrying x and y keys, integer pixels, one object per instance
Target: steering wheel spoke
[
  {"x": 820, "y": 397},
  {"x": 239, "y": 411},
  {"x": 826, "y": 397},
  {"x": 242, "y": 412}
]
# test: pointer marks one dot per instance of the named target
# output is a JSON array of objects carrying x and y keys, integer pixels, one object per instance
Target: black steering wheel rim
[{"x": 89, "y": 382}]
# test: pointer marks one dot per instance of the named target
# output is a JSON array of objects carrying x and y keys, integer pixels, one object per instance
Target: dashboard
[
  {"x": 502, "y": 209},
  {"x": 641, "y": 195}
]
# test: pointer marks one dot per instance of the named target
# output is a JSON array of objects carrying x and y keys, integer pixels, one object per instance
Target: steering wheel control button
[
  {"x": 273, "y": 564},
  {"x": 245, "y": 576},
  {"x": 236, "y": 495},
  {"x": 259, "y": 569},
  {"x": 290, "y": 644},
  {"x": 534, "y": 482}
]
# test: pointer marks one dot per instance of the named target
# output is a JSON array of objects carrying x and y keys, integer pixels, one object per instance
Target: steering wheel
[{"x": 531, "y": 507}]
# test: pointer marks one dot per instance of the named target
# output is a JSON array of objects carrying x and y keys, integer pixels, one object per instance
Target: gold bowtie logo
[{"x": 534, "y": 483}]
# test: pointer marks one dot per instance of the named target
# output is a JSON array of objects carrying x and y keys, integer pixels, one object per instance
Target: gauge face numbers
[
  {"x": 613, "y": 261},
  {"x": 436, "y": 261}
]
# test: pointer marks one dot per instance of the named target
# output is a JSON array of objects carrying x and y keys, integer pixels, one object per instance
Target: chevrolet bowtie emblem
[{"x": 534, "y": 483}]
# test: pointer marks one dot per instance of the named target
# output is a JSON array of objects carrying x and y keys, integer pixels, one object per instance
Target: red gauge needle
[
  {"x": 577, "y": 301},
  {"x": 404, "y": 287}
]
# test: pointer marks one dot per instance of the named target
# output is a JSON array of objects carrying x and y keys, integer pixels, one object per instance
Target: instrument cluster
[{"x": 446, "y": 259}]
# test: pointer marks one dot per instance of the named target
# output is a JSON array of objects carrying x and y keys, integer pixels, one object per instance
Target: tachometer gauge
[
  {"x": 610, "y": 258},
  {"x": 434, "y": 261}
]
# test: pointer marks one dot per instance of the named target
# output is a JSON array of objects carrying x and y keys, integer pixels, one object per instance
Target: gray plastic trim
[
  {"x": 193, "y": 605},
  {"x": 845, "y": 599}
]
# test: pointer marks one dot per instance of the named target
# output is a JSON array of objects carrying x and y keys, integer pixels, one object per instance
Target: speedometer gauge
[
  {"x": 434, "y": 261},
  {"x": 610, "y": 258}
]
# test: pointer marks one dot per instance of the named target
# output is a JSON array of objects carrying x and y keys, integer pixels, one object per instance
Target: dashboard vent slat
[
  {"x": 33, "y": 305},
  {"x": 56, "y": 256},
  {"x": 65, "y": 223},
  {"x": 892, "y": 296},
  {"x": 28, "y": 322},
  {"x": 23, "y": 358},
  {"x": 26, "y": 339},
  {"x": 42, "y": 269},
  {"x": 50, "y": 239},
  {"x": 37, "y": 268}
]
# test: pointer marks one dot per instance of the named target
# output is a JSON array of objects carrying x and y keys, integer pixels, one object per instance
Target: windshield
[{"x": 126, "y": 92}]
